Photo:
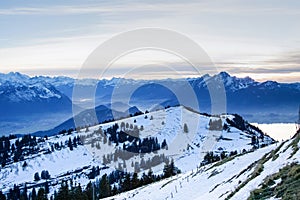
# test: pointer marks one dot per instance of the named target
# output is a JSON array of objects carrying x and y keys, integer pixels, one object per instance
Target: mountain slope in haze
[
  {"x": 27, "y": 104},
  {"x": 87, "y": 118}
]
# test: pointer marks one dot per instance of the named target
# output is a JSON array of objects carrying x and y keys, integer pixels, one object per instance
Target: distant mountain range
[
  {"x": 23, "y": 97},
  {"x": 266, "y": 102}
]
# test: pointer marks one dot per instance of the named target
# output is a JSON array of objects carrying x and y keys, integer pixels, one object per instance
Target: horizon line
[{"x": 143, "y": 79}]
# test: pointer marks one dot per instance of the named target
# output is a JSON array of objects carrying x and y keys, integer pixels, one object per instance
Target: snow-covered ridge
[
  {"x": 234, "y": 83},
  {"x": 231, "y": 82},
  {"x": 65, "y": 84}
]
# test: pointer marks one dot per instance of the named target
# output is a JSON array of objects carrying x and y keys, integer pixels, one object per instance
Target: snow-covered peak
[
  {"x": 206, "y": 76},
  {"x": 56, "y": 81},
  {"x": 234, "y": 83},
  {"x": 269, "y": 84},
  {"x": 122, "y": 81},
  {"x": 13, "y": 77},
  {"x": 17, "y": 87},
  {"x": 224, "y": 75},
  {"x": 64, "y": 80}
]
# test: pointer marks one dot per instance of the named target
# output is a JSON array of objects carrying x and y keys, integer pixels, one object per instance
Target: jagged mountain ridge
[
  {"x": 258, "y": 101},
  {"x": 21, "y": 95}
]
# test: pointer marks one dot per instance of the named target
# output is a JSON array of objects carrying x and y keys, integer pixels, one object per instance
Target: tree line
[{"x": 108, "y": 185}]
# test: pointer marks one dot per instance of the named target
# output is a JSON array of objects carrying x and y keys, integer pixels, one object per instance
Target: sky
[{"x": 256, "y": 38}]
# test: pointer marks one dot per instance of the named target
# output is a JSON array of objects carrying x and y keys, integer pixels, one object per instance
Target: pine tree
[
  {"x": 104, "y": 187},
  {"x": 170, "y": 169},
  {"x": 46, "y": 187},
  {"x": 33, "y": 194},
  {"x": 114, "y": 190},
  {"x": 70, "y": 145},
  {"x": 75, "y": 142},
  {"x": 41, "y": 194},
  {"x": 13, "y": 148},
  {"x": 135, "y": 181},
  {"x": 23, "y": 194},
  {"x": 185, "y": 128},
  {"x": 89, "y": 191},
  {"x": 36, "y": 176},
  {"x": 122, "y": 126},
  {"x": 25, "y": 164},
  {"x": 164, "y": 144},
  {"x": 150, "y": 176},
  {"x": 127, "y": 183},
  {"x": 78, "y": 193},
  {"x": 124, "y": 164},
  {"x": 63, "y": 191},
  {"x": 253, "y": 140},
  {"x": 45, "y": 174},
  {"x": 2, "y": 196}
]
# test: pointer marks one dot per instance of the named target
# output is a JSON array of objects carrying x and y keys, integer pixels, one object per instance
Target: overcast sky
[{"x": 256, "y": 38}]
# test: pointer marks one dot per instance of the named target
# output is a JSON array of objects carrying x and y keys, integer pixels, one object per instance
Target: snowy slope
[
  {"x": 62, "y": 164},
  {"x": 217, "y": 182},
  {"x": 186, "y": 148}
]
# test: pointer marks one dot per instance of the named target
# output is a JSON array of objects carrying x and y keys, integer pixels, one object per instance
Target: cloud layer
[{"x": 243, "y": 37}]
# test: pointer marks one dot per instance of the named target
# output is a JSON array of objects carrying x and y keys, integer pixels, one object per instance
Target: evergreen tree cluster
[
  {"x": 16, "y": 193},
  {"x": 112, "y": 184},
  {"x": 14, "y": 152},
  {"x": 108, "y": 185},
  {"x": 138, "y": 165},
  {"x": 27, "y": 145},
  {"x": 146, "y": 145},
  {"x": 94, "y": 172},
  {"x": 211, "y": 157},
  {"x": 70, "y": 143},
  {"x": 131, "y": 135},
  {"x": 170, "y": 169},
  {"x": 44, "y": 175},
  {"x": 64, "y": 131},
  {"x": 237, "y": 122},
  {"x": 254, "y": 142},
  {"x": 215, "y": 124}
]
